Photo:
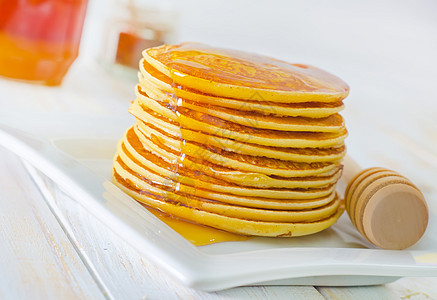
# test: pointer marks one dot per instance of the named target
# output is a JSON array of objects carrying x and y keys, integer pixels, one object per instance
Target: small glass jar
[{"x": 133, "y": 27}]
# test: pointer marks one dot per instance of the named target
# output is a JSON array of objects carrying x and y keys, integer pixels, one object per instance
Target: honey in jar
[{"x": 39, "y": 39}]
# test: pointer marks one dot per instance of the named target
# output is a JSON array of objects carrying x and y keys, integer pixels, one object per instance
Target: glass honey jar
[
  {"x": 39, "y": 39},
  {"x": 134, "y": 26}
]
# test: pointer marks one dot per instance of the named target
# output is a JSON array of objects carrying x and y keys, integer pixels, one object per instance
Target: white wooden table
[{"x": 52, "y": 248}]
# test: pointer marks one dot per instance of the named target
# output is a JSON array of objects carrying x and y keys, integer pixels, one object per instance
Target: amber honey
[
  {"x": 197, "y": 234},
  {"x": 39, "y": 40},
  {"x": 246, "y": 69}
]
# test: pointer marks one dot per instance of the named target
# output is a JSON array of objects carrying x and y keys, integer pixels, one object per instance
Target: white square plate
[{"x": 76, "y": 151}]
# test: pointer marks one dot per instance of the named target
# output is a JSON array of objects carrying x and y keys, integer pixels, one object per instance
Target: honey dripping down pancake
[{"x": 234, "y": 141}]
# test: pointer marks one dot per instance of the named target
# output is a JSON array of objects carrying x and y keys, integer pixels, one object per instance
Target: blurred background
[{"x": 385, "y": 50}]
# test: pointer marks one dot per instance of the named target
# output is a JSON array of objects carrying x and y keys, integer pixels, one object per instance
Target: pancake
[
  {"x": 191, "y": 122},
  {"x": 257, "y": 202},
  {"x": 227, "y": 174},
  {"x": 137, "y": 158},
  {"x": 142, "y": 161},
  {"x": 238, "y": 142},
  {"x": 235, "y": 162},
  {"x": 243, "y": 74},
  {"x": 160, "y": 88},
  {"x": 281, "y": 153},
  {"x": 332, "y": 123},
  {"x": 235, "y": 211},
  {"x": 235, "y": 225}
]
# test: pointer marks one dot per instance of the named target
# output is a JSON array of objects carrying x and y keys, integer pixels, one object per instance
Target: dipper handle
[{"x": 385, "y": 207}]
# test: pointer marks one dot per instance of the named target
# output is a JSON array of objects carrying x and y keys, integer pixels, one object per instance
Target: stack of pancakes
[{"x": 236, "y": 141}]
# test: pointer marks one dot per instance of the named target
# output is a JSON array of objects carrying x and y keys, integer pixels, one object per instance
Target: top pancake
[
  {"x": 162, "y": 88},
  {"x": 240, "y": 75}
]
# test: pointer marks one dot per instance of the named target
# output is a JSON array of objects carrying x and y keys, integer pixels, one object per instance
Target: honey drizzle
[
  {"x": 246, "y": 69},
  {"x": 197, "y": 234}
]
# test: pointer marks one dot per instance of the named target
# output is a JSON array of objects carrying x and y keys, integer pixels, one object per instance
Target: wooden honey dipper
[{"x": 385, "y": 207}]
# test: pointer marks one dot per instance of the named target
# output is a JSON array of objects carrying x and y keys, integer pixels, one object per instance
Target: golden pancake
[
  {"x": 141, "y": 160},
  {"x": 198, "y": 122},
  {"x": 130, "y": 148},
  {"x": 235, "y": 211},
  {"x": 236, "y": 225},
  {"x": 234, "y": 162},
  {"x": 160, "y": 88},
  {"x": 205, "y": 190},
  {"x": 332, "y": 123},
  {"x": 287, "y": 154},
  {"x": 256, "y": 202},
  {"x": 227, "y": 73}
]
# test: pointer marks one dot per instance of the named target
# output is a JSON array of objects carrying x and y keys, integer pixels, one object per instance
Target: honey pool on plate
[{"x": 242, "y": 143}]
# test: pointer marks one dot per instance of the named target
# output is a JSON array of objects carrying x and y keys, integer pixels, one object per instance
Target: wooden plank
[
  {"x": 356, "y": 293},
  {"x": 128, "y": 275},
  {"x": 414, "y": 288},
  {"x": 37, "y": 259},
  {"x": 404, "y": 288}
]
